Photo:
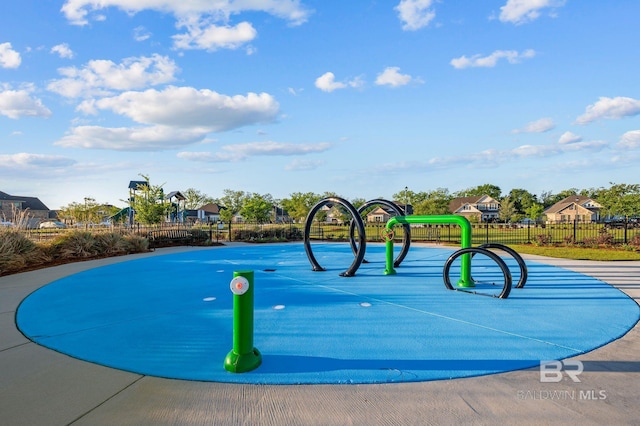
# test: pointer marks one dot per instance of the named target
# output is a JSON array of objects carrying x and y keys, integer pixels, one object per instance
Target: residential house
[
  {"x": 209, "y": 212},
  {"x": 15, "y": 205},
  {"x": 379, "y": 215},
  {"x": 479, "y": 208},
  {"x": 574, "y": 208}
]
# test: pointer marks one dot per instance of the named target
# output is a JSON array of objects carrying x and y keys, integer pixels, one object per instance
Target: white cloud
[
  {"x": 493, "y": 157},
  {"x": 9, "y": 58},
  {"x": 211, "y": 37},
  {"x": 25, "y": 160},
  {"x": 140, "y": 33},
  {"x": 630, "y": 140},
  {"x": 391, "y": 77},
  {"x": 103, "y": 77},
  {"x": 585, "y": 146},
  {"x": 20, "y": 103},
  {"x": 569, "y": 137},
  {"x": 63, "y": 50},
  {"x": 240, "y": 152},
  {"x": 207, "y": 22},
  {"x": 512, "y": 56},
  {"x": 538, "y": 126},
  {"x": 186, "y": 107},
  {"x": 611, "y": 108},
  {"x": 174, "y": 117},
  {"x": 151, "y": 138},
  {"x": 415, "y": 14},
  {"x": 326, "y": 82},
  {"x": 302, "y": 165},
  {"x": 522, "y": 11}
]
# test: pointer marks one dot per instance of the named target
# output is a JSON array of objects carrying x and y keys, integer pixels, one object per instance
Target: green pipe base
[
  {"x": 241, "y": 363},
  {"x": 465, "y": 284}
]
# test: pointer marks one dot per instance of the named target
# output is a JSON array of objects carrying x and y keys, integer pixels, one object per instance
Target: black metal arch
[
  {"x": 406, "y": 239},
  {"x": 359, "y": 254},
  {"x": 506, "y": 288},
  {"x": 521, "y": 264}
]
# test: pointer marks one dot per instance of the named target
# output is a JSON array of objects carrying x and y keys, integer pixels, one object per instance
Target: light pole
[{"x": 86, "y": 213}]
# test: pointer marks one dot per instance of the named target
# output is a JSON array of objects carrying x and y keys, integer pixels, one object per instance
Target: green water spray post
[
  {"x": 465, "y": 241},
  {"x": 243, "y": 357}
]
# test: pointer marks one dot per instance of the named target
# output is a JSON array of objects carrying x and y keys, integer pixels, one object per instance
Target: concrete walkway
[{"x": 41, "y": 387}]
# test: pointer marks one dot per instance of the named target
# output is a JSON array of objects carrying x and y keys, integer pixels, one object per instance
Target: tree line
[{"x": 151, "y": 205}]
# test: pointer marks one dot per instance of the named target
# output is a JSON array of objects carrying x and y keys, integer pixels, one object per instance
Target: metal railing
[{"x": 586, "y": 233}]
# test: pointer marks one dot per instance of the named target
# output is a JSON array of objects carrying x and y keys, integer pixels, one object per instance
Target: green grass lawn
[{"x": 578, "y": 253}]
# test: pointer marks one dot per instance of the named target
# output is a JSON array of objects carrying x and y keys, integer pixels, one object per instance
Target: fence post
[{"x": 487, "y": 227}]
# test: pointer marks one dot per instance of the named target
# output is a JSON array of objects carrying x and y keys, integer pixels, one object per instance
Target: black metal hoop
[
  {"x": 476, "y": 250},
  {"x": 406, "y": 239},
  {"x": 359, "y": 254}
]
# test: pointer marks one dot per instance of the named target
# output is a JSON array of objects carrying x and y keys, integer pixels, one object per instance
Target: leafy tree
[
  {"x": 534, "y": 211},
  {"x": 522, "y": 199},
  {"x": 357, "y": 202},
  {"x": 257, "y": 208},
  {"x": 149, "y": 203},
  {"x": 233, "y": 202},
  {"x": 89, "y": 211},
  {"x": 548, "y": 198},
  {"x": 433, "y": 202},
  {"x": 299, "y": 204},
  {"x": 507, "y": 209},
  {"x": 620, "y": 199},
  {"x": 195, "y": 199},
  {"x": 486, "y": 189},
  {"x": 406, "y": 196}
]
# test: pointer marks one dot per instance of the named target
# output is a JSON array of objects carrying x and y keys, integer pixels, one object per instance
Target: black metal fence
[{"x": 585, "y": 233}]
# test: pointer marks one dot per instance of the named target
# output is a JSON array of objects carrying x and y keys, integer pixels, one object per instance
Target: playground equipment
[
  {"x": 243, "y": 357},
  {"x": 465, "y": 254},
  {"x": 362, "y": 241},
  {"x": 521, "y": 264},
  {"x": 406, "y": 236}
]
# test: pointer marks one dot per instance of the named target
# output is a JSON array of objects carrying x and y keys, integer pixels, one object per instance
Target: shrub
[
  {"x": 75, "y": 244},
  {"x": 635, "y": 241},
  {"x": 542, "y": 239},
  {"x": 136, "y": 244},
  {"x": 18, "y": 252},
  {"x": 110, "y": 243},
  {"x": 591, "y": 242},
  {"x": 605, "y": 239}
]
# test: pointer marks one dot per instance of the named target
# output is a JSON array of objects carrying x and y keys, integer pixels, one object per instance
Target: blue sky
[{"x": 361, "y": 98}]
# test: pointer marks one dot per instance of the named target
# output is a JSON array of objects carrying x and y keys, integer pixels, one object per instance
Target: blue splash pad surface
[{"x": 172, "y": 316}]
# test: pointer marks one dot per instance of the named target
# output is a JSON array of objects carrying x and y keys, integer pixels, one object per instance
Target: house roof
[
  {"x": 457, "y": 203},
  {"x": 136, "y": 184},
  {"x": 177, "y": 194},
  {"x": 31, "y": 203},
  {"x": 581, "y": 200},
  {"x": 380, "y": 210},
  {"x": 211, "y": 208}
]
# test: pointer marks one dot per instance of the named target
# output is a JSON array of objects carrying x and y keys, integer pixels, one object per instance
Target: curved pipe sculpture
[
  {"x": 362, "y": 241},
  {"x": 465, "y": 241},
  {"x": 406, "y": 239}
]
